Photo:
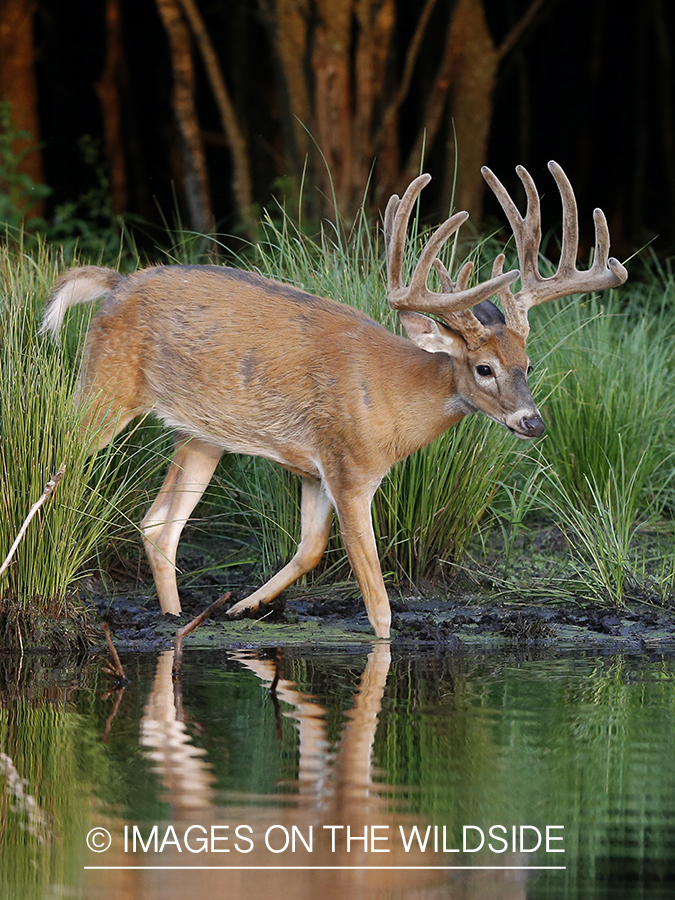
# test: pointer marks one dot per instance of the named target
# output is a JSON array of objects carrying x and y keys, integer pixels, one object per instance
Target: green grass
[
  {"x": 605, "y": 468},
  {"x": 40, "y": 430},
  {"x": 611, "y": 410},
  {"x": 431, "y": 504}
]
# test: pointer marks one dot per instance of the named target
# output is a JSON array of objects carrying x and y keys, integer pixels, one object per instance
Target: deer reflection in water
[{"x": 335, "y": 787}]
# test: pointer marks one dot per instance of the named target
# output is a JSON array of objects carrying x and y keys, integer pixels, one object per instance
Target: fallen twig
[
  {"x": 114, "y": 669},
  {"x": 50, "y": 487},
  {"x": 189, "y": 628}
]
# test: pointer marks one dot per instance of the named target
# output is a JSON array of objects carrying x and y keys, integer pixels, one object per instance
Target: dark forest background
[{"x": 217, "y": 107}]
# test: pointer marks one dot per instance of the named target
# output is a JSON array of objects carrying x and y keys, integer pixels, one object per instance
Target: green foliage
[
  {"x": 605, "y": 468},
  {"x": 612, "y": 405},
  {"x": 85, "y": 227},
  {"x": 40, "y": 429},
  {"x": 601, "y": 531},
  {"x": 431, "y": 504}
]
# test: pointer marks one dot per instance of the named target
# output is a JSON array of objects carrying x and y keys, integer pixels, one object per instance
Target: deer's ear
[{"x": 430, "y": 335}]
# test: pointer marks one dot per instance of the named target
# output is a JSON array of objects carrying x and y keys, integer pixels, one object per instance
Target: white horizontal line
[{"x": 330, "y": 868}]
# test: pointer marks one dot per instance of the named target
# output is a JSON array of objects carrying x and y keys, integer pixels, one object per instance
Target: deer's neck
[{"x": 426, "y": 403}]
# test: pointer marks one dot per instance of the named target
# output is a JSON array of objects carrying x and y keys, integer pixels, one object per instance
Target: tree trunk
[
  {"x": 333, "y": 58},
  {"x": 386, "y": 139},
  {"x": 475, "y": 62},
  {"x": 474, "y": 66},
  {"x": 331, "y": 65},
  {"x": 434, "y": 109},
  {"x": 287, "y": 22},
  {"x": 334, "y": 61},
  {"x": 241, "y": 181},
  {"x": 108, "y": 90},
  {"x": 195, "y": 177},
  {"x": 375, "y": 21},
  {"x": 18, "y": 86}
]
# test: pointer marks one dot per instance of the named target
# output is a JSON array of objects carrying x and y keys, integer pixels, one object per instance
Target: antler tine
[
  {"x": 529, "y": 238},
  {"x": 602, "y": 261},
  {"x": 463, "y": 276},
  {"x": 464, "y": 321},
  {"x": 535, "y": 289},
  {"x": 396, "y": 217},
  {"x": 431, "y": 250},
  {"x": 417, "y": 296},
  {"x": 570, "y": 221},
  {"x": 601, "y": 253},
  {"x": 526, "y": 229},
  {"x": 394, "y": 259}
]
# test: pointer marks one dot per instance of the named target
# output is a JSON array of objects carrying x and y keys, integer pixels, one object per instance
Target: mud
[{"x": 454, "y": 619}]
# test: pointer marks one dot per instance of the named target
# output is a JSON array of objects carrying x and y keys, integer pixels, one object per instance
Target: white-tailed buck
[{"x": 235, "y": 362}]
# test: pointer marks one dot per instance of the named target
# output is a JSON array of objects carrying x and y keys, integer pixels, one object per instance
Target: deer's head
[{"x": 488, "y": 345}]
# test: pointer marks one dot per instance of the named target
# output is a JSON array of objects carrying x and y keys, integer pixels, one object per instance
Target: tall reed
[
  {"x": 606, "y": 465},
  {"x": 40, "y": 430}
]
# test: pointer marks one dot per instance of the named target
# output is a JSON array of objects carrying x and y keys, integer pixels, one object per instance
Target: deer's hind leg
[
  {"x": 191, "y": 470},
  {"x": 110, "y": 388},
  {"x": 316, "y": 515}
]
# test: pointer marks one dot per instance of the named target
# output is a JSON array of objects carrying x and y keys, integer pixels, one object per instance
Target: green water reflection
[{"x": 379, "y": 743}]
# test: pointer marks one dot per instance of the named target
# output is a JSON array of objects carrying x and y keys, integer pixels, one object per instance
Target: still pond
[{"x": 362, "y": 772}]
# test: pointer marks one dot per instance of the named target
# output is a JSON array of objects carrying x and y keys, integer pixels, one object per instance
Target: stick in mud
[
  {"x": 115, "y": 669},
  {"x": 189, "y": 628}
]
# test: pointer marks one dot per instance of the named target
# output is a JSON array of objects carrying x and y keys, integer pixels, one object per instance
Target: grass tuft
[{"x": 40, "y": 430}]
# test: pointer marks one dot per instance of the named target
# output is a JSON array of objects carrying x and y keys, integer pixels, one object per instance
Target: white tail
[
  {"x": 87, "y": 284},
  {"x": 235, "y": 362}
]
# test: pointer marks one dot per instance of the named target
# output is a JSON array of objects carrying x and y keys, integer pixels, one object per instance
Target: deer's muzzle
[{"x": 531, "y": 426}]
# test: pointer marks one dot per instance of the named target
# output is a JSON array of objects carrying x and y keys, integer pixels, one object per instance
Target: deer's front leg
[
  {"x": 316, "y": 515},
  {"x": 356, "y": 526}
]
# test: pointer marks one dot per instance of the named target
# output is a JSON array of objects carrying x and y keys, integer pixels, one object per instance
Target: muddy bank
[{"x": 457, "y": 620}]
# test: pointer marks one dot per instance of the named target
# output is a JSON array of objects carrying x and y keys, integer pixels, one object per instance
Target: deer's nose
[{"x": 532, "y": 426}]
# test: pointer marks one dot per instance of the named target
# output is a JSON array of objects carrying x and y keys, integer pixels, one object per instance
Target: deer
[{"x": 235, "y": 362}]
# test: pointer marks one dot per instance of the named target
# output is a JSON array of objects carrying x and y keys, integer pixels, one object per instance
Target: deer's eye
[{"x": 485, "y": 371}]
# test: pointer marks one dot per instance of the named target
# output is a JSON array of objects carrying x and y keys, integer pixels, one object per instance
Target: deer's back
[{"x": 251, "y": 364}]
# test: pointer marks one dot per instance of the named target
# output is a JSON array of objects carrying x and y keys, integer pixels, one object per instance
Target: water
[{"x": 352, "y": 774}]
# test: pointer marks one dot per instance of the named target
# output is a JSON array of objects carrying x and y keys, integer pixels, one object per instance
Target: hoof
[
  {"x": 241, "y": 610},
  {"x": 249, "y": 609}
]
